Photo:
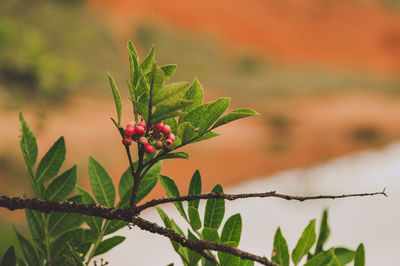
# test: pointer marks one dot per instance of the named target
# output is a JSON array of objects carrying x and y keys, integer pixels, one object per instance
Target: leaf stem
[{"x": 97, "y": 243}]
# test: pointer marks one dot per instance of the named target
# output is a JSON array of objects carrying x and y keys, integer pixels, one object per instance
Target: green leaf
[
  {"x": 232, "y": 230},
  {"x": 9, "y": 258},
  {"x": 234, "y": 115},
  {"x": 108, "y": 244},
  {"x": 227, "y": 259},
  {"x": 305, "y": 243},
  {"x": 343, "y": 255},
  {"x": 117, "y": 97},
  {"x": 165, "y": 111},
  {"x": 194, "y": 116},
  {"x": 195, "y": 93},
  {"x": 168, "y": 70},
  {"x": 205, "y": 136},
  {"x": 35, "y": 222},
  {"x": 156, "y": 80},
  {"x": 132, "y": 49},
  {"x": 28, "y": 143},
  {"x": 51, "y": 161},
  {"x": 210, "y": 234},
  {"x": 75, "y": 238},
  {"x": 215, "y": 210},
  {"x": 172, "y": 191},
  {"x": 193, "y": 256},
  {"x": 148, "y": 61},
  {"x": 213, "y": 112},
  {"x": 174, "y": 155},
  {"x": 194, "y": 218},
  {"x": 77, "y": 258},
  {"x": 185, "y": 132},
  {"x": 243, "y": 262},
  {"x": 93, "y": 222},
  {"x": 359, "y": 256},
  {"x": 62, "y": 186},
  {"x": 323, "y": 232},
  {"x": 133, "y": 63},
  {"x": 172, "y": 123},
  {"x": 280, "y": 251},
  {"x": 114, "y": 226},
  {"x": 170, "y": 94},
  {"x": 322, "y": 258},
  {"x": 27, "y": 249},
  {"x": 21, "y": 262},
  {"x": 61, "y": 222},
  {"x": 195, "y": 189},
  {"x": 102, "y": 185}
]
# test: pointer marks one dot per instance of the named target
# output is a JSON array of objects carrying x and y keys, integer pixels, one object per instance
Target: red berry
[
  {"x": 143, "y": 124},
  {"x": 139, "y": 130},
  {"x": 166, "y": 130},
  {"x": 159, "y": 126},
  {"x": 158, "y": 145},
  {"x": 149, "y": 149},
  {"x": 129, "y": 131},
  {"x": 127, "y": 141},
  {"x": 131, "y": 124},
  {"x": 168, "y": 142},
  {"x": 144, "y": 141},
  {"x": 171, "y": 137},
  {"x": 158, "y": 135}
]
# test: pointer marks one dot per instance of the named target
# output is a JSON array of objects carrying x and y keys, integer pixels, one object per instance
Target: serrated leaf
[
  {"x": 170, "y": 93},
  {"x": 93, "y": 222},
  {"x": 174, "y": 155},
  {"x": 226, "y": 259},
  {"x": 232, "y": 230},
  {"x": 51, "y": 161},
  {"x": 168, "y": 70},
  {"x": 215, "y": 210},
  {"x": 27, "y": 249},
  {"x": 323, "y": 232},
  {"x": 305, "y": 243},
  {"x": 194, "y": 218},
  {"x": 163, "y": 111},
  {"x": 102, "y": 185},
  {"x": 28, "y": 143},
  {"x": 359, "y": 256},
  {"x": 148, "y": 61},
  {"x": 213, "y": 112},
  {"x": 210, "y": 234},
  {"x": 185, "y": 132},
  {"x": 280, "y": 251},
  {"x": 9, "y": 258},
  {"x": 62, "y": 186},
  {"x": 172, "y": 191},
  {"x": 108, "y": 244},
  {"x": 117, "y": 97},
  {"x": 205, "y": 136},
  {"x": 234, "y": 115},
  {"x": 321, "y": 258},
  {"x": 195, "y": 189},
  {"x": 194, "y": 93}
]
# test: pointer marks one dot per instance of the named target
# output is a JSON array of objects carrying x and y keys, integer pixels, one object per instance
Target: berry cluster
[{"x": 158, "y": 135}]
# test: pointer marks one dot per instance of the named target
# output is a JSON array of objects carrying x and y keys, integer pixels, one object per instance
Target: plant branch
[
  {"x": 217, "y": 195},
  {"x": 199, "y": 246}
]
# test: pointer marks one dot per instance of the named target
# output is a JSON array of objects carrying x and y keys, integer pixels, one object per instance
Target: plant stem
[
  {"x": 46, "y": 236},
  {"x": 98, "y": 241}
]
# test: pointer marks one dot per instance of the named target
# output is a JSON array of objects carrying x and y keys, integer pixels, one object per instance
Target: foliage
[{"x": 75, "y": 239}]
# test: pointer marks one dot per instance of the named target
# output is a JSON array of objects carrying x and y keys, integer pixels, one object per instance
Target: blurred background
[{"x": 324, "y": 74}]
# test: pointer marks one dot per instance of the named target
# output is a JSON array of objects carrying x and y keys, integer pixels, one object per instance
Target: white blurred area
[{"x": 372, "y": 220}]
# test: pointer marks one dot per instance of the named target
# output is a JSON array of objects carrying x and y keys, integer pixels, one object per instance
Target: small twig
[
  {"x": 199, "y": 246},
  {"x": 216, "y": 195}
]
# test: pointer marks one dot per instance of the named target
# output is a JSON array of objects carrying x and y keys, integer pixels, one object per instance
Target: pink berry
[
  {"x": 166, "y": 130},
  {"x": 131, "y": 124},
  {"x": 149, "y": 149},
  {"x": 139, "y": 130},
  {"x": 159, "y": 126},
  {"x": 171, "y": 137},
  {"x": 144, "y": 141},
  {"x": 158, "y": 145},
  {"x": 168, "y": 142},
  {"x": 143, "y": 124},
  {"x": 129, "y": 131},
  {"x": 127, "y": 141}
]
